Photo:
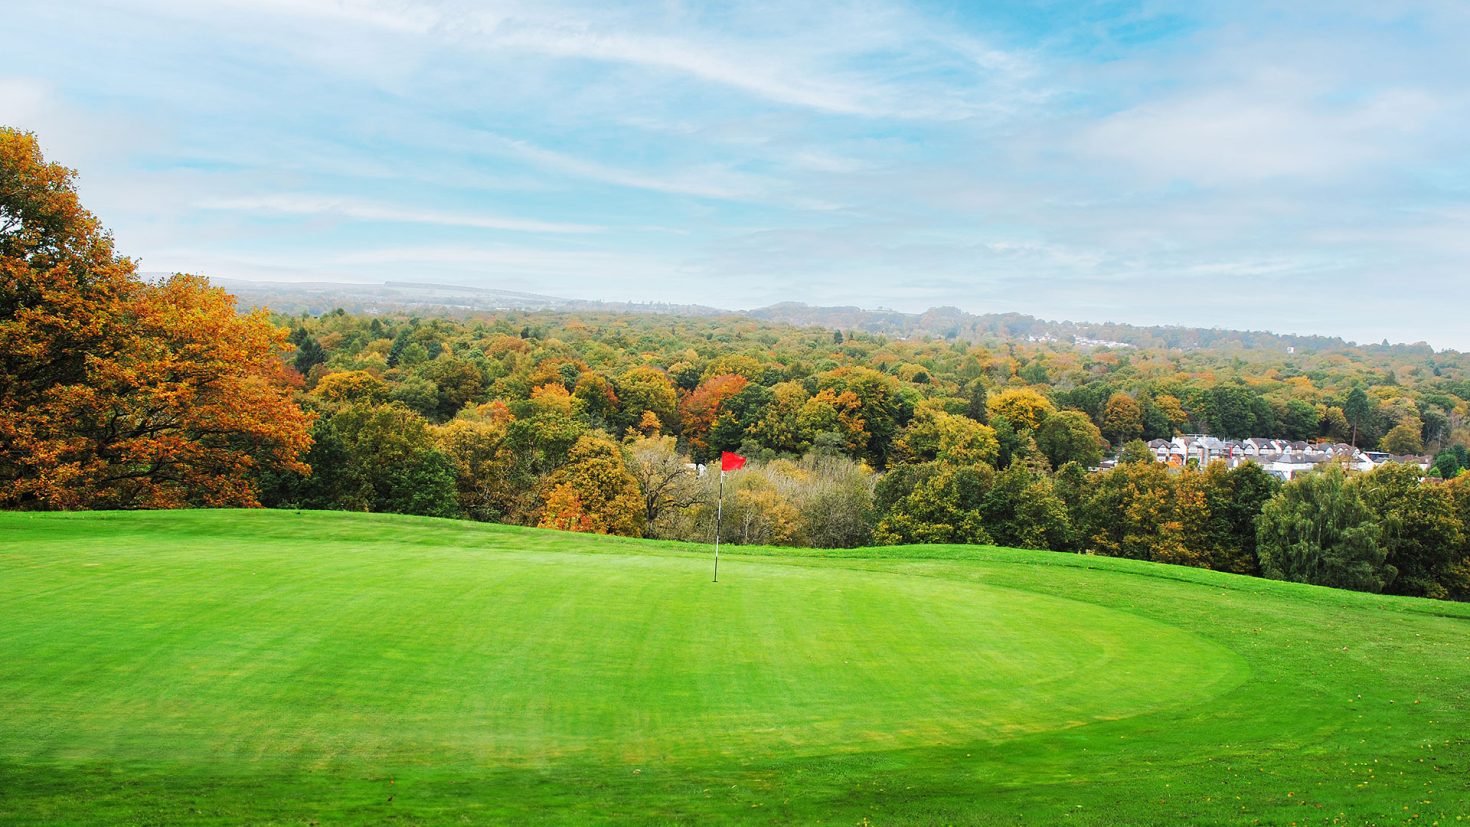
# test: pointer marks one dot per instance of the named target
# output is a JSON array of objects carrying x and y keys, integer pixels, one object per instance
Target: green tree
[
  {"x": 975, "y": 401},
  {"x": 1359, "y": 412},
  {"x": 1069, "y": 436},
  {"x": 1455, "y": 576},
  {"x": 418, "y": 394},
  {"x": 309, "y": 352},
  {"x": 457, "y": 382},
  {"x": 943, "y": 507},
  {"x": 1421, "y": 531},
  {"x": 1317, "y": 529},
  {"x": 1023, "y": 511},
  {"x": 1232, "y": 411},
  {"x": 380, "y": 458},
  {"x": 1233, "y": 499},
  {"x": 1136, "y": 451},
  {"x": 1072, "y": 485},
  {"x": 1299, "y": 420},
  {"x": 1448, "y": 464}
]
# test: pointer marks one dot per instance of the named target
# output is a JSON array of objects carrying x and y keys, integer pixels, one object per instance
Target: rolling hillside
[{"x": 293, "y": 668}]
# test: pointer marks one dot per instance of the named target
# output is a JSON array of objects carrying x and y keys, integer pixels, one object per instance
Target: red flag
[{"x": 731, "y": 462}]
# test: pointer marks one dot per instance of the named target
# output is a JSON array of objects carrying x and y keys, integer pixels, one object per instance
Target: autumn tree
[
  {"x": 779, "y": 427},
  {"x": 482, "y": 459},
  {"x": 934, "y": 434},
  {"x": 666, "y": 483},
  {"x": 1025, "y": 408},
  {"x": 839, "y": 415},
  {"x": 599, "y": 401},
  {"x": 701, "y": 408},
  {"x": 760, "y": 511},
  {"x": 593, "y": 491},
  {"x": 345, "y": 387},
  {"x": 739, "y": 418},
  {"x": 1122, "y": 419},
  {"x": 1131, "y": 511},
  {"x": 117, "y": 393},
  {"x": 876, "y": 403},
  {"x": 646, "y": 388},
  {"x": 1404, "y": 438}
]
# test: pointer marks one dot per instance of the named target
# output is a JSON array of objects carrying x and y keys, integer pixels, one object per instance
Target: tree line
[{"x": 122, "y": 393}]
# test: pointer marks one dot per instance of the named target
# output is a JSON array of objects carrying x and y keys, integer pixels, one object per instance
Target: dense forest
[{"x": 116, "y": 392}]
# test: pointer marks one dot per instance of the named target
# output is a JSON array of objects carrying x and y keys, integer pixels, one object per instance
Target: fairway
[{"x": 293, "y": 667}]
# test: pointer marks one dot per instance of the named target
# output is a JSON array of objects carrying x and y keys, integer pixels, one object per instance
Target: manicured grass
[{"x": 281, "y": 667}]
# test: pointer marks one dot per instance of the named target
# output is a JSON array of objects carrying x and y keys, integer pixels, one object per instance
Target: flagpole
[{"x": 719, "y": 514}]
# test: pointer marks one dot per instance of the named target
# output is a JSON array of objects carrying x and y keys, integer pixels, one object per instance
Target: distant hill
[
  {"x": 953, "y": 323},
  {"x": 316, "y": 298}
]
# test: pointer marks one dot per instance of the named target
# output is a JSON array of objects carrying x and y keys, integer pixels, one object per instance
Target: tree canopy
[{"x": 120, "y": 393}]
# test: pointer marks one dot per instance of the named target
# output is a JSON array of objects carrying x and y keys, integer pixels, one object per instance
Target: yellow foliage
[{"x": 1023, "y": 407}]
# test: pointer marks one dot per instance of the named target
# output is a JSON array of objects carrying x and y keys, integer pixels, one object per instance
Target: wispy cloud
[
  {"x": 286, "y": 204},
  {"x": 1259, "y": 131},
  {"x": 713, "y": 181},
  {"x": 1083, "y": 160},
  {"x": 764, "y": 78}
]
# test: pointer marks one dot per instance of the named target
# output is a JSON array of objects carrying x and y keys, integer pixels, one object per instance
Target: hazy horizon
[{"x": 1253, "y": 166}]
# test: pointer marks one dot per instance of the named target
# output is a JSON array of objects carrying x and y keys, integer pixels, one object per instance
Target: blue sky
[{"x": 1298, "y": 167}]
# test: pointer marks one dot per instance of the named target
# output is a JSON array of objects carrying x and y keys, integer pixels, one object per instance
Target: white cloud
[
  {"x": 766, "y": 76},
  {"x": 1230, "y": 136},
  {"x": 402, "y": 17},
  {"x": 714, "y": 181}
]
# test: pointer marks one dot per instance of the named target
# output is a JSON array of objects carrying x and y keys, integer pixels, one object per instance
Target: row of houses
[{"x": 1281, "y": 458}]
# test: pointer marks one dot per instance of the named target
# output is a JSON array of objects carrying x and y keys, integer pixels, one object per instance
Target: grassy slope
[{"x": 295, "y": 667}]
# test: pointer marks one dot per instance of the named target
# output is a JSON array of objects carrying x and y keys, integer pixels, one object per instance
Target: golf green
[{"x": 294, "y": 667}]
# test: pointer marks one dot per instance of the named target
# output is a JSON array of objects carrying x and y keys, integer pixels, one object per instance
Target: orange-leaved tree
[
  {"x": 594, "y": 492},
  {"x": 701, "y": 408},
  {"x": 116, "y": 392}
]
